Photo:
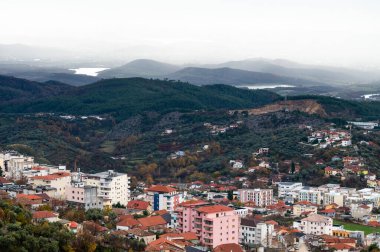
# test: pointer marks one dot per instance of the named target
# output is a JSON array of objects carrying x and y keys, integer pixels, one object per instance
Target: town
[{"x": 226, "y": 214}]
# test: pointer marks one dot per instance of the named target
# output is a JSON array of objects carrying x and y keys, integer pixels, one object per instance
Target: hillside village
[{"x": 258, "y": 207}]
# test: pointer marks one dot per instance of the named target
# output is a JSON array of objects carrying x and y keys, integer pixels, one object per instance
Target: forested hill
[
  {"x": 126, "y": 97},
  {"x": 16, "y": 90}
]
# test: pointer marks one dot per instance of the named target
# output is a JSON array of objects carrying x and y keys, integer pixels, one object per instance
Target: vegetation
[{"x": 356, "y": 227}]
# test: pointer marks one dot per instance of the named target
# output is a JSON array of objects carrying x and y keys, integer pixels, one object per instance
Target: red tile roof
[
  {"x": 37, "y": 168},
  {"x": 44, "y": 214},
  {"x": 53, "y": 176},
  {"x": 214, "y": 209},
  {"x": 152, "y": 221},
  {"x": 229, "y": 247},
  {"x": 160, "y": 212},
  {"x": 128, "y": 222},
  {"x": 193, "y": 203},
  {"x": 28, "y": 196},
  {"x": 188, "y": 236},
  {"x": 162, "y": 189},
  {"x": 138, "y": 204},
  {"x": 73, "y": 224}
]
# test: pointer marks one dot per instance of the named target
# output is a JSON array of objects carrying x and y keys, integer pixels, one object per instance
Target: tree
[
  {"x": 94, "y": 214},
  {"x": 230, "y": 195},
  {"x": 293, "y": 168}
]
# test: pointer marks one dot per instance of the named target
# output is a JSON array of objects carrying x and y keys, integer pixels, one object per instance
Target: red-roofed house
[
  {"x": 29, "y": 200},
  {"x": 45, "y": 216},
  {"x": 139, "y": 205},
  {"x": 127, "y": 223},
  {"x": 153, "y": 223},
  {"x": 164, "y": 197}
]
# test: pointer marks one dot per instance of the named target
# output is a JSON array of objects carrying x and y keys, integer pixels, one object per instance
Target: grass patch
[{"x": 356, "y": 227}]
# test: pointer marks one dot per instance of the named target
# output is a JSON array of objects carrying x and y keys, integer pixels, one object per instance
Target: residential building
[
  {"x": 289, "y": 190},
  {"x": 48, "y": 216},
  {"x": 334, "y": 197},
  {"x": 113, "y": 187},
  {"x": 261, "y": 197},
  {"x": 59, "y": 180},
  {"x": 213, "y": 224},
  {"x": 310, "y": 194},
  {"x": 304, "y": 208},
  {"x": 316, "y": 224},
  {"x": 13, "y": 164},
  {"x": 164, "y": 197}
]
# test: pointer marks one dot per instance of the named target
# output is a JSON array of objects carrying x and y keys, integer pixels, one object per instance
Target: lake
[
  {"x": 266, "y": 86},
  {"x": 91, "y": 71}
]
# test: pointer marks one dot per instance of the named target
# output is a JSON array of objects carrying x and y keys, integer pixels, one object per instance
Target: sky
[{"x": 327, "y": 32}]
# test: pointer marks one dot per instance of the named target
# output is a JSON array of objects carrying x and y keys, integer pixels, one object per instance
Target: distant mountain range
[
  {"x": 281, "y": 71},
  {"x": 43, "y": 64}
]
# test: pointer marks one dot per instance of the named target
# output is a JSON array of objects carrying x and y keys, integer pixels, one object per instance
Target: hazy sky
[{"x": 339, "y": 32}]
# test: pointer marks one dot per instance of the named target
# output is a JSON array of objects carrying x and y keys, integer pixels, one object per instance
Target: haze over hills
[
  {"x": 140, "y": 68},
  {"x": 234, "y": 77}
]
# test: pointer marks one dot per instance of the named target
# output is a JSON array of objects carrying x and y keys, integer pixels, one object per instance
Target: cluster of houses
[
  {"x": 221, "y": 129},
  {"x": 198, "y": 216},
  {"x": 330, "y": 137}
]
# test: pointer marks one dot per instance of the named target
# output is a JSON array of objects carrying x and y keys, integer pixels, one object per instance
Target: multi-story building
[
  {"x": 213, "y": 224},
  {"x": 310, "y": 194},
  {"x": 334, "y": 197},
  {"x": 13, "y": 164},
  {"x": 316, "y": 224},
  {"x": 304, "y": 207},
  {"x": 252, "y": 232},
  {"x": 113, "y": 187},
  {"x": 59, "y": 180},
  {"x": 85, "y": 196},
  {"x": 164, "y": 197},
  {"x": 289, "y": 190},
  {"x": 261, "y": 197}
]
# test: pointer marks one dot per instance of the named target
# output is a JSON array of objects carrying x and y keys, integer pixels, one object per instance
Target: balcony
[{"x": 208, "y": 223}]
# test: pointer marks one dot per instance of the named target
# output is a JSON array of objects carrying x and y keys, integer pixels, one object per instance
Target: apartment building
[
  {"x": 113, "y": 187},
  {"x": 213, "y": 224},
  {"x": 334, "y": 197},
  {"x": 85, "y": 196},
  {"x": 60, "y": 181},
  {"x": 289, "y": 191},
  {"x": 260, "y": 197},
  {"x": 304, "y": 207},
  {"x": 310, "y": 194},
  {"x": 316, "y": 224},
  {"x": 164, "y": 197},
  {"x": 252, "y": 232},
  {"x": 13, "y": 164}
]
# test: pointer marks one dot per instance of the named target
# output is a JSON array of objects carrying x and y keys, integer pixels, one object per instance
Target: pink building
[{"x": 213, "y": 224}]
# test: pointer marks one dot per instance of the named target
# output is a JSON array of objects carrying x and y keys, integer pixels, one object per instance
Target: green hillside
[{"x": 125, "y": 97}]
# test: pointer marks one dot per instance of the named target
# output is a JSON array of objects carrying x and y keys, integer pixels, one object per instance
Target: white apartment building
[
  {"x": 13, "y": 164},
  {"x": 251, "y": 232},
  {"x": 316, "y": 224},
  {"x": 310, "y": 194},
  {"x": 260, "y": 197},
  {"x": 113, "y": 187},
  {"x": 289, "y": 190},
  {"x": 334, "y": 197}
]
